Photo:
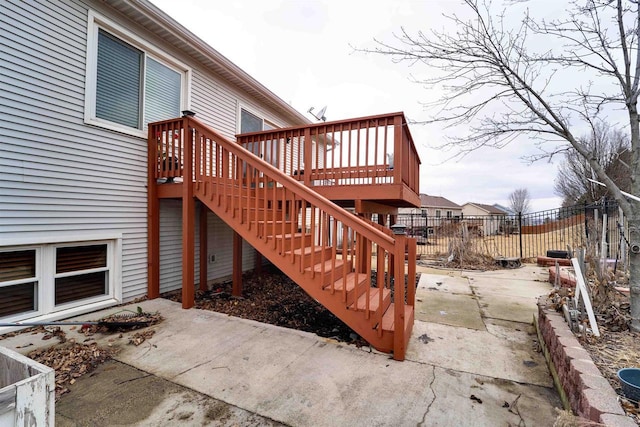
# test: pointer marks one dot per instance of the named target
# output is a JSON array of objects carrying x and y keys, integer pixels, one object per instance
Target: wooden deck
[{"x": 261, "y": 189}]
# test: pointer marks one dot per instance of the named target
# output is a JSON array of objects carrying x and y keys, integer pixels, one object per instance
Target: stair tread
[
  {"x": 374, "y": 299},
  {"x": 317, "y": 268},
  {"x": 289, "y": 235},
  {"x": 349, "y": 280},
  {"x": 388, "y": 319},
  {"x": 308, "y": 249}
]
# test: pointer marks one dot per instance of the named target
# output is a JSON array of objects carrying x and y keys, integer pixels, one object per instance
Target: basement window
[
  {"x": 48, "y": 278},
  {"x": 81, "y": 272},
  {"x": 18, "y": 282}
]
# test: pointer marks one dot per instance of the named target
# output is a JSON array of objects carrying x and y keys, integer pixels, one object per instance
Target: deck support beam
[
  {"x": 237, "y": 265},
  {"x": 188, "y": 228},
  {"x": 153, "y": 233},
  {"x": 204, "y": 247},
  {"x": 363, "y": 250},
  {"x": 258, "y": 267}
]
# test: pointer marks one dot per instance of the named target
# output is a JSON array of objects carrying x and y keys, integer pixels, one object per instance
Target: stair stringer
[{"x": 355, "y": 319}]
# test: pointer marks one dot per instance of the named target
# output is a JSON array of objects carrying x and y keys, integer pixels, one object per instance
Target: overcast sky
[{"x": 302, "y": 51}]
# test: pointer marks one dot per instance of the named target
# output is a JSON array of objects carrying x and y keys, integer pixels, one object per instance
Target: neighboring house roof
[
  {"x": 504, "y": 209},
  {"x": 437, "y": 202},
  {"x": 487, "y": 208},
  {"x": 155, "y": 20}
]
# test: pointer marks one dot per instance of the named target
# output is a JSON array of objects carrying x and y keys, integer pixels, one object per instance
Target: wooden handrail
[{"x": 343, "y": 152}]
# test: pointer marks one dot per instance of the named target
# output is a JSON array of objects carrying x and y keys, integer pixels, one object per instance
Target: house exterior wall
[
  {"x": 491, "y": 223},
  {"x": 63, "y": 180}
]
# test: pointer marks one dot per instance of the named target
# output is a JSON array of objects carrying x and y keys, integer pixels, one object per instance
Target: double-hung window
[
  {"x": 129, "y": 82},
  {"x": 267, "y": 150}
]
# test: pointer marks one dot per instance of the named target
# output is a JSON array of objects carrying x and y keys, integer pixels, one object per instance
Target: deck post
[
  {"x": 399, "y": 298},
  {"x": 237, "y": 265},
  {"x": 363, "y": 249},
  {"x": 204, "y": 247},
  {"x": 392, "y": 266},
  {"x": 258, "y": 267},
  {"x": 153, "y": 222},
  {"x": 188, "y": 217},
  {"x": 398, "y": 155},
  {"x": 308, "y": 156},
  {"x": 411, "y": 270}
]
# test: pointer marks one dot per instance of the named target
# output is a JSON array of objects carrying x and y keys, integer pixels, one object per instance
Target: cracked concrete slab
[
  {"x": 453, "y": 375},
  {"x": 509, "y": 286},
  {"x": 487, "y": 401},
  {"x": 506, "y": 307},
  {"x": 293, "y": 377},
  {"x": 481, "y": 352},
  {"x": 448, "y": 309},
  {"x": 119, "y": 394},
  {"x": 444, "y": 283}
]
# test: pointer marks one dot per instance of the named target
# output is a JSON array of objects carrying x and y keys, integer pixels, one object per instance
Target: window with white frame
[
  {"x": 267, "y": 150},
  {"x": 129, "y": 82},
  {"x": 438, "y": 213},
  {"x": 47, "y": 278},
  {"x": 449, "y": 214}
]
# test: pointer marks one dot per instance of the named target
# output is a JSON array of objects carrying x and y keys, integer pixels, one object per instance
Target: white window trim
[
  {"x": 45, "y": 275},
  {"x": 96, "y": 21}
]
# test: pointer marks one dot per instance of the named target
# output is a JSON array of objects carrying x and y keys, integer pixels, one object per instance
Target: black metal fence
[{"x": 598, "y": 226}]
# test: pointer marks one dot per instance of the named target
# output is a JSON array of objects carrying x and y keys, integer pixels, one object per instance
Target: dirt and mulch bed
[
  {"x": 76, "y": 355},
  {"x": 272, "y": 297}
]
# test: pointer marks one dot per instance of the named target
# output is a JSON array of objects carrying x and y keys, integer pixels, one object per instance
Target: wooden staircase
[{"x": 352, "y": 266}]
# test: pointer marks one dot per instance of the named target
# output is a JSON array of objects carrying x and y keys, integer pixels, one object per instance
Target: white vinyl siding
[
  {"x": 221, "y": 246},
  {"x": 59, "y": 178},
  {"x": 171, "y": 245},
  {"x": 64, "y": 180}
]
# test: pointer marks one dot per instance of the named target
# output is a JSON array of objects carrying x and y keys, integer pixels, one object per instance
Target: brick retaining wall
[{"x": 579, "y": 382}]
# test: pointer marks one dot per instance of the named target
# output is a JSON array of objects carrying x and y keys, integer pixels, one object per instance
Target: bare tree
[
  {"x": 520, "y": 201},
  {"x": 498, "y": 81},
  {"x": 611, "y": 148}
]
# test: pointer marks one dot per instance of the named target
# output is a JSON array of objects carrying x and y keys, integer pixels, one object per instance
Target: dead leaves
[
  {"x": 140, "y": 337},
  {"x": 71, "y": 361}
]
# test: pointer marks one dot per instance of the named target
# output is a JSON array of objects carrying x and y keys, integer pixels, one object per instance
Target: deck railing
[
  {"x": 252, "y": 196},
  {"x": 364, "y": 151}
]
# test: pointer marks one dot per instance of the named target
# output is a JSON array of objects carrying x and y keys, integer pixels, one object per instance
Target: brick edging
[{"x": 579, "y": 382}]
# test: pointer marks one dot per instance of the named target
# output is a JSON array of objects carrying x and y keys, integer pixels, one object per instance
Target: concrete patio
[{"x": 472, "y": 360}]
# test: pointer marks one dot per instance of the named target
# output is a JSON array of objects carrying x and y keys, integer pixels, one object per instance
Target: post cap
[{"x": 398, "y": 229}]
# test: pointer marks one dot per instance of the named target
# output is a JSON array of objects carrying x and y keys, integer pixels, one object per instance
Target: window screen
[
  {"x": 249, "y": 122},
  {"x": 118, "y": 86},
  {"x": 162, "y": 92}
]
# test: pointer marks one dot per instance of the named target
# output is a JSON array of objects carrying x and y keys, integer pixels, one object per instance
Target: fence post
[{"x": 520, "y": 231}]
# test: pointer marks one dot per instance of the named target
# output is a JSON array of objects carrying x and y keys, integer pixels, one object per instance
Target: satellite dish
[{"x": 320, "y": 114}]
